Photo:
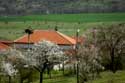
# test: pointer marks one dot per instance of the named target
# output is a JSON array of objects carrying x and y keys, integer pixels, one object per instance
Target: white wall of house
[
  {"x": 66, "y": 47},
  {"x": 66, "y": 66},
  {"x": 25, "y": 46}
]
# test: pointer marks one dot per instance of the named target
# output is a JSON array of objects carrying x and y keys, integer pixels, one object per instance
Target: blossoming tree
[
  {"x": 14, "y": 63},
  {"x": 89, "y": 59},
  {"x": 9, "y": 70},
  {"x": 90, "y": 63},
  {"x": 9, "y": 67},
  {"x": 43, "y": 55}
]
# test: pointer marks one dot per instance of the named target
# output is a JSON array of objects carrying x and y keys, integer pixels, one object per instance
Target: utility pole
[{"x": 77, "y": 72}]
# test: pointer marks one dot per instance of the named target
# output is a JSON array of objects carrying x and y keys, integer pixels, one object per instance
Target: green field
[
  {"x": 14, "y": 30},
  {"x": 87, "y": 17},
  {"x": 12, "y": 27}
]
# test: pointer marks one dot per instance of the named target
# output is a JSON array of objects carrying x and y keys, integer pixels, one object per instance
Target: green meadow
[
  {"x": 87, "y": 17},
  {"x": 13, "y": 30},
  {"x": 12, "y": 27}
]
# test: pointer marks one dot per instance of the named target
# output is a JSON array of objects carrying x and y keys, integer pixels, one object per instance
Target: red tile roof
[
  {"x": 49, "y": 35},
  {"x": 3, "y": 46}
]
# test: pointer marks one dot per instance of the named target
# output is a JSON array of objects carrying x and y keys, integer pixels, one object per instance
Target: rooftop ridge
[
  {"x": 43, "y": 30},
  {"x": 20, "y": 38},
  {"x": 68, "y": 38}
]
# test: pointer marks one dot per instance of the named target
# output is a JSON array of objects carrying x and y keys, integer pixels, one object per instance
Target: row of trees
[{"x": 23, "y": 7}]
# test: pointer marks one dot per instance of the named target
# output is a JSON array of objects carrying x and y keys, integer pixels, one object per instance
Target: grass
[
  {"x": 70, "y": 79},
  {"x": 57, "y": 77},
  {"x": 14, "y": 30},
  {"x": 106, "y": 77},
  {"x": 12, "y": 27},
  {"x": 86, "y": 17}
]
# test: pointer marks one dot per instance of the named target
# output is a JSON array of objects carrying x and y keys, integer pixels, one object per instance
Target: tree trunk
[
  {"x": 9, "y": 79},
  {"x": 59, "y": 67},
  {"x": 63, "y": 68},
  {"x": 21, "y": 80},
  {"x": 112, "y": 61},
  {"x": 41, "y": 77},
  {"x": 50, "y": 74},
  {"x": 74, "y": 68},
  {"x": 21, "y": 77},
  {"x": 77, "y": 73},
  {"x": 0, "y": 78},
  {"x": 30, "y": 79}
]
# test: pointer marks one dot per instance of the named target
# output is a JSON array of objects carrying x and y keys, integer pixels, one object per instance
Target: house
[{"x": 64, "y": 41}]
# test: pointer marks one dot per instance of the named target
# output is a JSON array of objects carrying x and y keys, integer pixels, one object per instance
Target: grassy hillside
[{"x": 90, "y": 17}]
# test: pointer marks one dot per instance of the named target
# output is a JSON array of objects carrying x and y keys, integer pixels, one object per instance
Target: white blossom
[
  {"x": 42, "y": 51},
  {"x": 90, "y": 62},
  {"x": 12, "y": 61},
  {"x": 9, "y": 69}
]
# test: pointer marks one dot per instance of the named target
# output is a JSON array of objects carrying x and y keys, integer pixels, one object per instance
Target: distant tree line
[{"x": 23, "y": 7}]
